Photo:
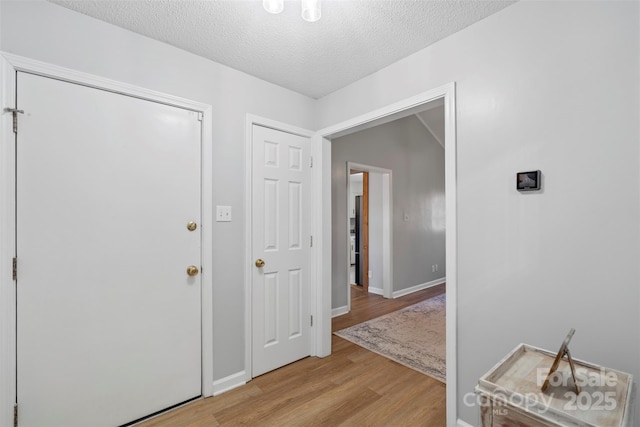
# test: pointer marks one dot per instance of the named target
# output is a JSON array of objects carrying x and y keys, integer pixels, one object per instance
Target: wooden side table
[{"x": 510, "y": 393}]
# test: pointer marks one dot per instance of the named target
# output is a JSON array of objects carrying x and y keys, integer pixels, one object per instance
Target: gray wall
[
  {"x": 417, "y": 164},
  {"x": 550, "y": 85},
  {"x": 375, "y": 232}
]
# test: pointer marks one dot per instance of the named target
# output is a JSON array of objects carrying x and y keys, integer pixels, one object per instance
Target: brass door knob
[
  {"x": 259, "y": 263},
  {"x": 191, "y": 226},
  {"x": 192, "y": 270}
]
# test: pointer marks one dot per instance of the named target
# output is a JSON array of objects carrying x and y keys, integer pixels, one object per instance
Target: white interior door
[
  {"x": 108, "y": 321},
  {"x": 280, "y": 238}
]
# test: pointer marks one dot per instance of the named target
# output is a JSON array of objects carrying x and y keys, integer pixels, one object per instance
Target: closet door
[{"x": 281, "y": 245}]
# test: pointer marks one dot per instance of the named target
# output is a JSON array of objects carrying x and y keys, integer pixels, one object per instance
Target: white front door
[
  {"x": 108, "y": 321},
  {"x": 281, "y": 239}
]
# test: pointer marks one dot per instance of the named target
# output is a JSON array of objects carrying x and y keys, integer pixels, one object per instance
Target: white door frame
[
  {"x": 248, "y": 257},
  {"x": 322, "y": 204},
  {"x": 9, "y": 64},
  {"x": 387, "y": 229}
]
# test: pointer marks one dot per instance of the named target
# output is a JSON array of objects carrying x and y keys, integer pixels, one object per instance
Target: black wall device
[{"x": 528, "y": 181}]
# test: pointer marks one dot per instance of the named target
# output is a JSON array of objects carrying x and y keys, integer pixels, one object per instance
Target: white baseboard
[
  {"x": 229, "y": 383},
  {"x": 335, "y": 312},
  {"x": 420, "y": 287},
  {"x": 376, "y": 291},
  {"x": 463, "y": 424}
]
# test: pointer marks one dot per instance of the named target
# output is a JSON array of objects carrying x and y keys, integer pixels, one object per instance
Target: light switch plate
[{"x": 223, "y": 213}]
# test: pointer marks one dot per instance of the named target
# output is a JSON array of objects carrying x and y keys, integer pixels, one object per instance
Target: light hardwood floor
[{"x": 352, "y": 387}]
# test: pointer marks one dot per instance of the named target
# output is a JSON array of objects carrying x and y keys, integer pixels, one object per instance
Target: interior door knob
[
  {"x": 259, "y": 263},
  {"x": 192, "y": 270}
]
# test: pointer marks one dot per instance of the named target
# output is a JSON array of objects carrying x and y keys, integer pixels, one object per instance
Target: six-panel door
[{"x": 281, "y": 239}]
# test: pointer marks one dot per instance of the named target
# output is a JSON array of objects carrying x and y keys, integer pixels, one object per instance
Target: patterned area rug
[{"x": 413, "y": 336}]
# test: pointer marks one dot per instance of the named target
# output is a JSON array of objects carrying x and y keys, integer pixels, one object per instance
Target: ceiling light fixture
[
  {"x": 310, "y": 8},
  {"x": 273, "y": 6}
]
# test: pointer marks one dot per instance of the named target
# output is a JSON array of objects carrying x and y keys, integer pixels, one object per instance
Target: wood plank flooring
[{"x": 352, "y": 387}]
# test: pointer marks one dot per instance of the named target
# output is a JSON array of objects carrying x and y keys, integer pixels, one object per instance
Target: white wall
[
  {"x": 355, "y": 189},
  {"x": 50, "y": 33},
  {"x": 416, "y": 160},
  {"x": 539, "y": 85}
]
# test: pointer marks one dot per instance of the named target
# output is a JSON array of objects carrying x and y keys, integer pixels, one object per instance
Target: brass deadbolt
[
  {"x": 259, "y": 263},
  {"x": 192, "y": 270},
  {"x": 191, "y": 226}
]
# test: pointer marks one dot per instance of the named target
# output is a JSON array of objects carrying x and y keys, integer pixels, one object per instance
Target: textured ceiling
[{"x": 353, "y": 39}]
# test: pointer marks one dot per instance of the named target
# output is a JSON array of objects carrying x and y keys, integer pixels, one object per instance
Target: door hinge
[
  {"x": 14, "y": 268},
  {"x": 310, "y": 241},
  {"x": 200, "y": 115},
  {"x": 15, "y": 112},
  {"x": 311, "y": 320},
  {"x": 311, "y": 161},
  {"x": 15, "y": 415}
]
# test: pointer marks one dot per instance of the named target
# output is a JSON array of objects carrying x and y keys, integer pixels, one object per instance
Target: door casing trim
[{"x": 9, "y": 65}]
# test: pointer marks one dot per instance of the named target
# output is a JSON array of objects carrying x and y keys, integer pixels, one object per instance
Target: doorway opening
[
  {"x": 369, "y": 225},
  {"x": 359, "y": 228},
  {"x": 445, "y": 96}
]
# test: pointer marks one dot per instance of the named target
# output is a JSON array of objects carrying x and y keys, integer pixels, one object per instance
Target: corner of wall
[
  {"x": 230, "y": 382},
  {"x": 339, "y": 311}
]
